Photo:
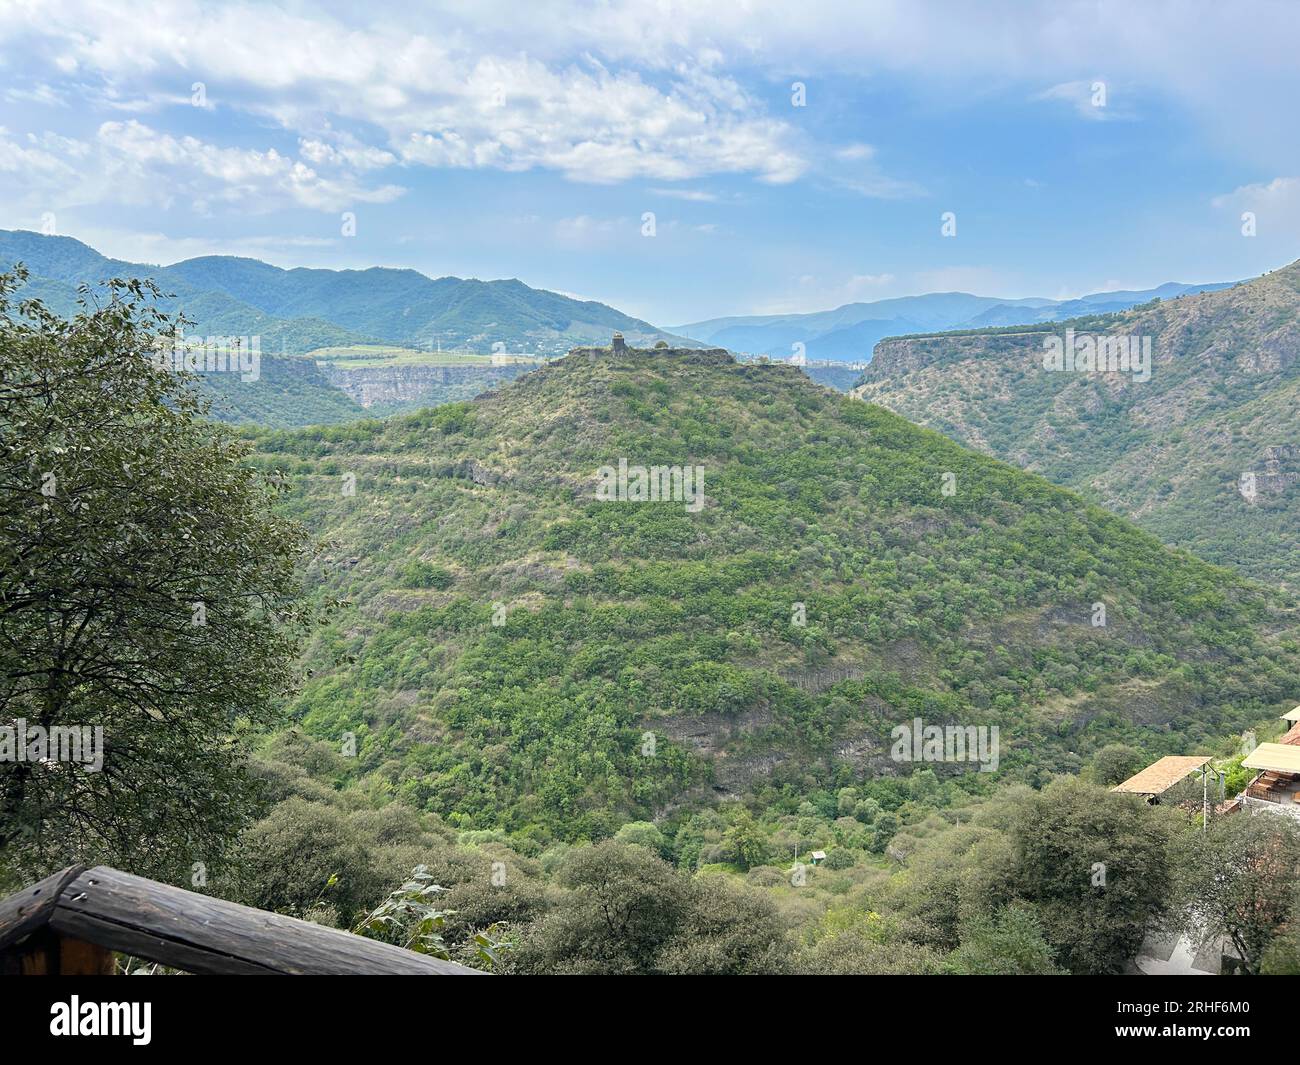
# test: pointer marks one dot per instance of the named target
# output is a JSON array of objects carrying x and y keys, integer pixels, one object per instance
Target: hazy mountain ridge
[
  {"x": 851, "y": 332},
  {"x": 295, "y": 312},
  {"x": 246, "y": 297},
  {"x": 1206, "y": 454}
]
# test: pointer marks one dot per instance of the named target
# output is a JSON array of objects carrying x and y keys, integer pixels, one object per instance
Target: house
[
  {"x": 1276, "y": 788},
  {"x": 818, "y": 857},
  {"x": 618, "y": 344}
]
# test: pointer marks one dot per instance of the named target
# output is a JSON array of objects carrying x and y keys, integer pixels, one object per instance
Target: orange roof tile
[{"x": 1160, "y": 776}]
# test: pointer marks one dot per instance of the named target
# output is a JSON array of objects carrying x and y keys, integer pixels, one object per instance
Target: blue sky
[{"x": 506, "y": 140}]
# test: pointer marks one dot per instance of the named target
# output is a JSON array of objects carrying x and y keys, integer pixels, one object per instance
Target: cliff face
[{"x": 389, "y": 388}]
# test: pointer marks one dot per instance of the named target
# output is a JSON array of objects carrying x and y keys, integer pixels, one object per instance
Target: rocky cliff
[{"x": 384, "y": 389}]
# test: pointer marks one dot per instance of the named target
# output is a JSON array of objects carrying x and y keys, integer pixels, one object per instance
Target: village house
[{"x": 1276, "y": 788}]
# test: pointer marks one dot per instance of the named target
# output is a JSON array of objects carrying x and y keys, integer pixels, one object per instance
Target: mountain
[
  {"x": 210, "y": 313},
  {"x": 295, "y": 314},
  {"x": 1205, "y": 454},
  {"x": 516, "y": 653},
  {"x": 245, "y": 297},
  {"x": 851, "y": 332}
]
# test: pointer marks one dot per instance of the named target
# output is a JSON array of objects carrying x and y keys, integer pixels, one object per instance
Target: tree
[
  {"x": 643, "y": 834},
  {"x": 1010, "y": 944},
  {"x": 1115, "y": 763},
  {"x": 1238, "y": 880},
  {"x": 1095, "y": 865},
  {"x": 623, "y": 904},
  {"x": 302, "y": 856},
  {"x": 729, "y": 931},
  {"x": 626, "y": 911},
  {"x": 150, "y": 592},
  {"x": 746, "y": 838},
  {"x": 850, "y": 953},
  {"x": 1282, "y": 958}
]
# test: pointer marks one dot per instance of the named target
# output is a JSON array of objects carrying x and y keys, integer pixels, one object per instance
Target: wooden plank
[
  {"x": 36, "y": 955},
  {"x": 25, "y": 911},
  {"x": 200, "y": 934},
  {"x": 141, "y": 944},
  {"x": 79, "y": 958}
]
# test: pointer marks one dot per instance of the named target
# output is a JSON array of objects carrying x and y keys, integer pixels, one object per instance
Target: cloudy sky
[{"x": 793, "y": 156}]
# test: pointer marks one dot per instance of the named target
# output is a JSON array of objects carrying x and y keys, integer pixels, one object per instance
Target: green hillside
[
  {"x": 1205, "y": 454},
  {"x": 59, "y": 265},
  {"x": 287, "y": 391},
  {"x": 648, "y": 659}
]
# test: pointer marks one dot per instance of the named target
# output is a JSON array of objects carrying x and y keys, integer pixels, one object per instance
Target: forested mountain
[
  {"x": 519, "y": 655},
  {"x": 308, "y": 309},
  {"x": 850, "y": 332},
  {"x": 58, "y": 265},
  {"x": 1205, "y": 453}
]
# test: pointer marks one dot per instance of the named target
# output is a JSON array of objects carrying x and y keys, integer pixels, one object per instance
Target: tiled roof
[{"x": 1160, "y": 776}]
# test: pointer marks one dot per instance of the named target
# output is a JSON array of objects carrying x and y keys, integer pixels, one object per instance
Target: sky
[{"x": 678, "y": 161}]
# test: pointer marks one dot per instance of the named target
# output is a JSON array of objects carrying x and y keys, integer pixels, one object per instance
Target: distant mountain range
[
  {"x": 300, "y": 310},
  {"x": 851, "y": 332},
  {"x": 1204, "y": 451}
]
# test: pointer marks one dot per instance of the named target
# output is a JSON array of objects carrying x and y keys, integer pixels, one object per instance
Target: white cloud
[
  {"x": 1280, "y": 194},
  {"x": 585, "y": 232},
  {"x": 593, "y": 126},
  {"x": 38, "y": 161},
  {"x": 1275, "y": 205},
  {"x": 854, "y": 167},
  {"x": 608, "y": 90},
  {"x": 131, "y": 163},
  {"x": 454, "y": 98},
  {"x": 851, "y": 152},
  {"x": 1091, "y": 100},
  {"x": 690, "y": 195},
  {"x": 347, "y": 154}
]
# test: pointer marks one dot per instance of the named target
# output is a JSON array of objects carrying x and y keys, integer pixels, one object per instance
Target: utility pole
[{"x": 1205, "y": 799}]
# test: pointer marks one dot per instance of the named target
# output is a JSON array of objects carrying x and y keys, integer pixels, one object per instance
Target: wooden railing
[{"x": 72, "y": 922}]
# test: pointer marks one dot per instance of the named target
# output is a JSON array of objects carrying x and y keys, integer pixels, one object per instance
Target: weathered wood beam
[
  {"x": 201, "y": 934},
  {"x": 24, "y": 911},
  {"x": 72, "y": 921},
  {"x": 24, "y": 916}
]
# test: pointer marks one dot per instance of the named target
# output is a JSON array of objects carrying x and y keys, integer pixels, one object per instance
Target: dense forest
[{"x": 415, "y": 677}]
